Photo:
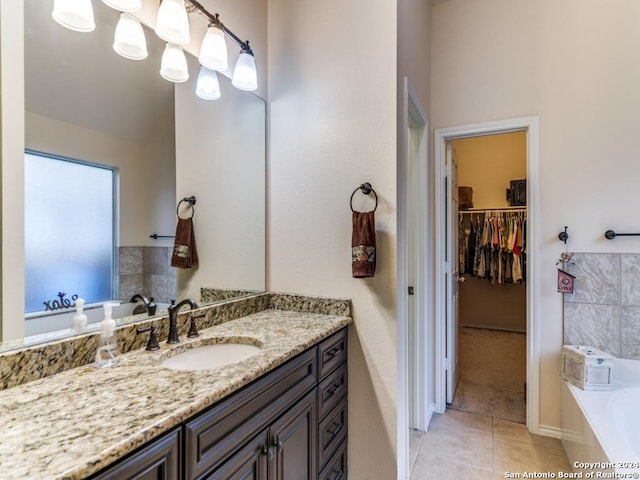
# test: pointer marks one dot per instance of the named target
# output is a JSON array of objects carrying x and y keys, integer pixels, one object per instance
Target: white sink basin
[{"x": 207, "y": 357}]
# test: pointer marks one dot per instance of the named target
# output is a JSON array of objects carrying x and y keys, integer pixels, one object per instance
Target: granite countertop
[{"x": 75, "y": 423}]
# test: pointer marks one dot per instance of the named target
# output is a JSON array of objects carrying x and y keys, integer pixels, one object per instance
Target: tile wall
[
  {"x": 147, "y": 270},
  {"x": 604, "y": 310}
]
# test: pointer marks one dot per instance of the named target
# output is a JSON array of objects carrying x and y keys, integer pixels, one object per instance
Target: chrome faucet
[{"x": 173, "y": 318}]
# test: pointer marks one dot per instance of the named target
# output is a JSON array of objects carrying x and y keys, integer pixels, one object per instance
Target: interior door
[{"x": 452, "y": 272}]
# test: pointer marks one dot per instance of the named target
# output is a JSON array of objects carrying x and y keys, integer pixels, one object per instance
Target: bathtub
[
  {"x": 601, "y": 429},
  {"x": 58, "y": 325}
]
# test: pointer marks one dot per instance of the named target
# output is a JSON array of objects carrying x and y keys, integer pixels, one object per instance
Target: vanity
[{"x": 279, "y": 414}]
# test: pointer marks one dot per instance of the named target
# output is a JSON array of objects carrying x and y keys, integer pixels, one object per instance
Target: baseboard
[
  {"x": 431, "y": 409},
  {"x": 547, "y": 431}
]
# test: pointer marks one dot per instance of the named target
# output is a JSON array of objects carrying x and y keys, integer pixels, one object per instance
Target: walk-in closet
[{"x": 492, "y": 272}]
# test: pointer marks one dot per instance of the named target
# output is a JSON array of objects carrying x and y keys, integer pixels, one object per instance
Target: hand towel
[
  {"x": 185, "y": 253},
  {"x": 363, "y": 245}
]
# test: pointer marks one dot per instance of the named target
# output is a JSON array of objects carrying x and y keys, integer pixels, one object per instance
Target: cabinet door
[
  {"x": 293, "y": 439},
  {"x": 157, "y": 461},
  {"x": 248, "y": 463}
]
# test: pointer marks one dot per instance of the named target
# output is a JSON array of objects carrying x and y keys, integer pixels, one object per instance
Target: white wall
[
  {"x": 220, "y": 158},
  {"x": 138, "y": 181},
  {"x": 12, "y": 156},
  {"x": 576, "y": 64},
  {"x": 332, "y": 91}
]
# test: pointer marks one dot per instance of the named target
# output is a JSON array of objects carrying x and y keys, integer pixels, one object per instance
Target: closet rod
[{"x": 502, "y": 209}]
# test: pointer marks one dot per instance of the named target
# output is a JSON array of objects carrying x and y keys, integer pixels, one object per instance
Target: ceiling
[{"x": 78, "y": 78}]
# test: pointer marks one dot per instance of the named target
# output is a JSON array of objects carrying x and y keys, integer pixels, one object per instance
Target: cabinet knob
[
  {"x": 277, "y": 444},
  {"x": 266, "y": 451}
]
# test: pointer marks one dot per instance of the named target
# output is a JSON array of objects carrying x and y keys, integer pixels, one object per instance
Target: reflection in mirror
[{"x": 85, "y": 102}]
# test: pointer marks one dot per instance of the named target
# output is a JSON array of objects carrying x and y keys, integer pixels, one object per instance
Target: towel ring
[
  {"x": 191, "y": 201},
  {"x": 365, "y": 188}
]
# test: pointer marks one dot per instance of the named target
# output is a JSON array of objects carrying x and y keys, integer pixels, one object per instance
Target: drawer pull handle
[
  {"x": 335, "y": 474},
  {"x": 334, "y": 428},
  {"x": 331, "y": 391},
  {"x": 333, "y": 352}
]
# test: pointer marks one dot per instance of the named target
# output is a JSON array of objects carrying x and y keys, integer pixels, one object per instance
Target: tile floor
[{"x": 467, "y": 446}]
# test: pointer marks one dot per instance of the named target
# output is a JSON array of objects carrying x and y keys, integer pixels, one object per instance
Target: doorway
[
  {"x": 489, "y": 216},
  {"x": 447, "y": 346}
]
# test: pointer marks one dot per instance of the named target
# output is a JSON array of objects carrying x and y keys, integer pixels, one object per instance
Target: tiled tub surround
[
  {"x": 22, "y": 365},
  {"x": 147, "y": 270},
  {"x": 75, "y": 423},
  {"x": 604, "y": 310}
]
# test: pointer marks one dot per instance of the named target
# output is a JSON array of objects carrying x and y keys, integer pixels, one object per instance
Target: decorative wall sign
[
  {"x": 62, "y": 303},
  {"x": 565, "y": 282}
]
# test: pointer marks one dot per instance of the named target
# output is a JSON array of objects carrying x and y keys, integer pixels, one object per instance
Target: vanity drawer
[
  {"x": 212, "y": 436},
  {"x": 332, "y": 352},
  {"x": 332, "y": 389},
  {"x": 331, "y": 432},
  {"x": 336, "y": 468}
]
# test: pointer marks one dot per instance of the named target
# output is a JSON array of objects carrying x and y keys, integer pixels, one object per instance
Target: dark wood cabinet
[
  {"x": 158, "y": 460},
  {"x": 293, "y": 440},
  {"x": 290, "y": 424}
]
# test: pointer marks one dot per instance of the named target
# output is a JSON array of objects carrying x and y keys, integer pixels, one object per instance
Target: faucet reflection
[
  {"x": 173, "y": 318},
  {"x": 149, "y": 305}
]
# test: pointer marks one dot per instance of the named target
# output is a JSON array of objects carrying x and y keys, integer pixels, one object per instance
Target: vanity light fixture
[
  {"x": 129, "y": 40},
  {"x": 174, "y": 64},
  {"x": 172, "y": 24},
  {"x": 124, "y": 5},
  {"x": 76, "y": 15},
  {"x": 213, "y": 51},
  {"x": 245, "y": 76},
  {"x": 208, "y": 86}
]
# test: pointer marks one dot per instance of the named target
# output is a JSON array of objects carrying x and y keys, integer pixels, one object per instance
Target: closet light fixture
[
  {"x": 245, "y": 76},
  {"x": 76, "y": 15},
  {"x": 174, "y": 64},
  {"x": 208, "y": 86},
  {"x": 124, "y": 5},
  {"x": 129, "y": 40},
  {"x": 172, "y": 24}
]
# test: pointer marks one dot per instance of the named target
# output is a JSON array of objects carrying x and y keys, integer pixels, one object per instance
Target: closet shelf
[{"x": 497, "y": 209}]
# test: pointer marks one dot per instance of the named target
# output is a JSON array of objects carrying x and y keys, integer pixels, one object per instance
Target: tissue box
[{"x": 587, "y": 367}]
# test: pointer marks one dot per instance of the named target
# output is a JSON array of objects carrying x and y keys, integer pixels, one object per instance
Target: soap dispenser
[
  {"x": 79, "y": 320},
  {"x": 107, "y": 354}
]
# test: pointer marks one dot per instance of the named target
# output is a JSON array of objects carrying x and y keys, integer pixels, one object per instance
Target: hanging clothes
[{"x": 494, "y": 246}]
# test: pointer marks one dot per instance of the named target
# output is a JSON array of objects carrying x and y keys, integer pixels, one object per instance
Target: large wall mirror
[{"x": 85, "y": 102}]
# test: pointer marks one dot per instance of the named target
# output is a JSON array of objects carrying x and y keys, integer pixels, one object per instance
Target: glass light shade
[
  {"x": 172, "y": 24},
  {"x": 129, "y": 40},
  {"x": 208, "y": 87},
  {"x": 174, "y": 64},
  {"x": 213, "y": 51},
  {"x": 124, "y": 5},
  {"x": 75, "y": 15},
  {"x": 245, "y": 76}
]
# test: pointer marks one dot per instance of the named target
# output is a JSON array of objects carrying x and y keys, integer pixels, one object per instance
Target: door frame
[
  {"x": 415, "y": 353},
  {"x": 443, "y": 135}
]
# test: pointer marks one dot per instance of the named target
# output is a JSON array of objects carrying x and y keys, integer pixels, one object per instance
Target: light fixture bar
[{"x": 215, "y": 20}]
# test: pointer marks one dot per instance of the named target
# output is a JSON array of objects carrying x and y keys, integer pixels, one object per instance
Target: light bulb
[
  {"x": 124, "y": 5},
  {"x": 172, "y": 24},
  {"x": 129, "y": 40},
  {"x": 245, "y": 76},
  {"x": 75, "y": 15},
  {"x": 208, "y": 87},
  {"x": 213, "y": 51},
  {"x": 174, "y": 64}
]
